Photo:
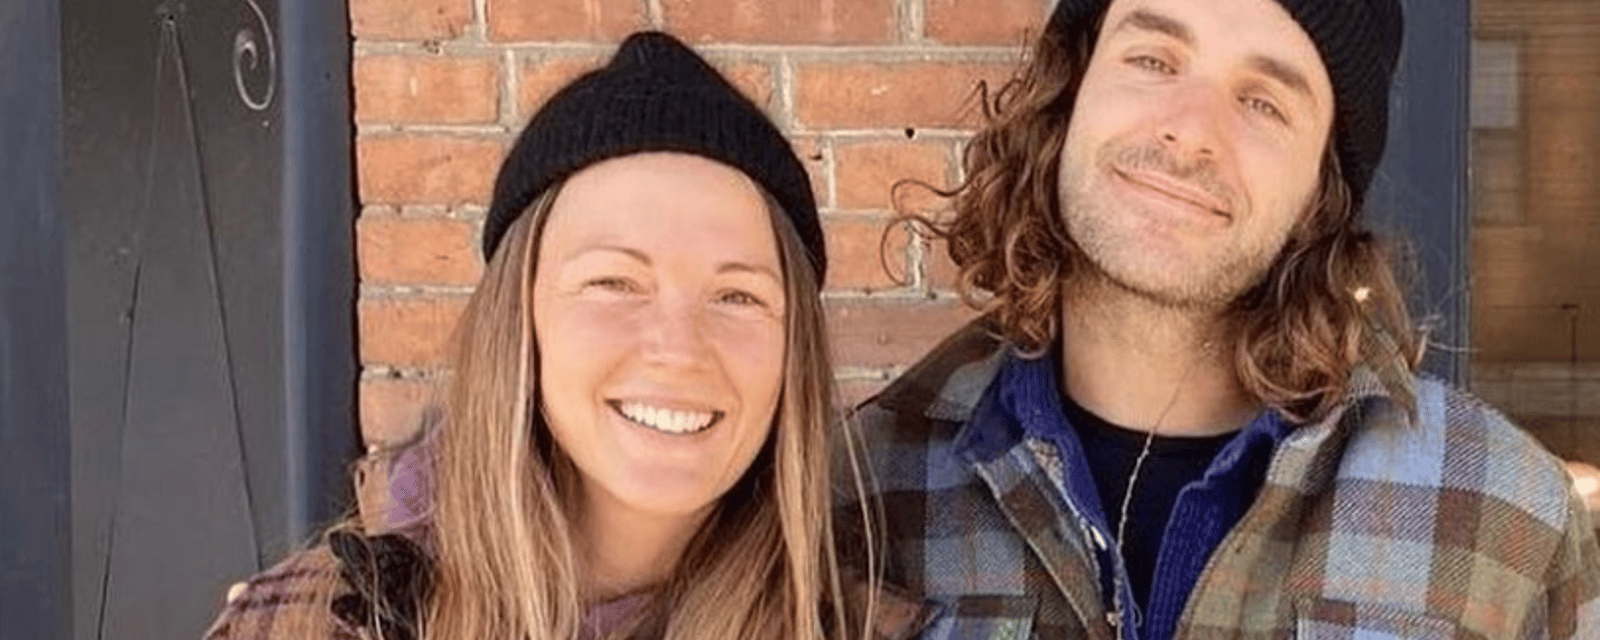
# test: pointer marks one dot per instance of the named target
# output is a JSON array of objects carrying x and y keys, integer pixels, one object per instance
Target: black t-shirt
[{"x": 1173, "y": 463}]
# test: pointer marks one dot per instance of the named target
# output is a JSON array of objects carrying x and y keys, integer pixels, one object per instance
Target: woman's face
[{"x": 659, "y": 311}]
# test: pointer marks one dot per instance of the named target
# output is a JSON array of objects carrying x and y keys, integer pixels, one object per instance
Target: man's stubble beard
[{"x": 1208, "y": 284}]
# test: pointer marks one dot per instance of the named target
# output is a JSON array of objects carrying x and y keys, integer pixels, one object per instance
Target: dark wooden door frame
[
  {"x": 35, "y": 560},
  {"x": 298, "y": 61}
]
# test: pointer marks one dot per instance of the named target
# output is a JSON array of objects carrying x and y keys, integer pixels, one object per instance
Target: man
[{"x": 1190, "y": 410}]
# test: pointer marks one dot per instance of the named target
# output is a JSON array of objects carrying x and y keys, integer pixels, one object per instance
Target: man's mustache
[{"x": 1156, "y": 158}]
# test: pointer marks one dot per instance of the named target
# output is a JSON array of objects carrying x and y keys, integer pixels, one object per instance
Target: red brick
[
  {"x": 893, "y": 95},
  {"x": 407, "y": 332},
  {"x": 881, "y": 333},
  {"x": 938, "y": 270},
  {"x": 409, "y": 20},
  {"x": 427, "y": 89},
  {"x": 853, "y": 392},
  {"x": 541, "y": 78},
  {"x": 868, "y": 172},
  {"x": 985, "y": 22},
  {"x": 394, "y": 250},
  {"x": 371, "y": 477},
  {"x": 426, "y": 169},
  {"x": 753, "y": 79},
  {"x": 564, "y": 20},
  {"x": 766, "y": 22},
  {"x": 854, "y": 257},
  {"x": 810, "y": 150},
  {"x": 391, "y": 409}
]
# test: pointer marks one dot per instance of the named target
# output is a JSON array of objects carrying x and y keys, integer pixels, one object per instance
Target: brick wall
[{"x": 870, "y": 91}]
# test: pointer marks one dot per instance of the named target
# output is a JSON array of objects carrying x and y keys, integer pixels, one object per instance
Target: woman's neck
[{"x": 625, "y": 550}]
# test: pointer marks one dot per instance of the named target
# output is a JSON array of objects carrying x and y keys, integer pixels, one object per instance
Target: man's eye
[
  {"x": 1264, "y": 107},
  {"x": 1153, "y": 64}
]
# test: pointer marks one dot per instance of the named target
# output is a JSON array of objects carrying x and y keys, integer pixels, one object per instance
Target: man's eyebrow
[
  {"x": 1149, "y": 21},
  {"x": 1284, "y": 73},
  {"x": 1273, "y": 68}
]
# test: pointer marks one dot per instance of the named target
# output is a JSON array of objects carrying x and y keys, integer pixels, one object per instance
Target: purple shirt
[{"x": 410, "y": 505}]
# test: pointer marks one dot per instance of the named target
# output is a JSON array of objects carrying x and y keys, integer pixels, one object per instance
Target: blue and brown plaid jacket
[{"x": 1370, "y": 525}]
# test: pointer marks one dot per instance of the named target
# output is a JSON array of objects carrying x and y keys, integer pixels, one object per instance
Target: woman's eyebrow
[
  {"x": 746, "y": 267},
  {"x": 610, "y": 248}
]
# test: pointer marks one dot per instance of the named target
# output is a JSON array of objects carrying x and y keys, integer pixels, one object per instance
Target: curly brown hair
[{"x": 1329, "y": 303}]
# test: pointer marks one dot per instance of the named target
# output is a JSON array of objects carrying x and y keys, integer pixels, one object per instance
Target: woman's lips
[{"x": 666, "y": 417}]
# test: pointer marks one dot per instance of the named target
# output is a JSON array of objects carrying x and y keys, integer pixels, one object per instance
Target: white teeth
[{"x": 664, "y": 419}]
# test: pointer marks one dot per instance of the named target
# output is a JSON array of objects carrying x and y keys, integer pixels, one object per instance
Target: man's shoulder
[
  {"x": 1456, "y": 442},
  {"x": 944, "y": 385},
  {"x": 1455, "y": 488},
  {"x": 918, "y": 415}
]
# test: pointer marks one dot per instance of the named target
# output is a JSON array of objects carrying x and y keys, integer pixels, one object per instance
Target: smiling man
[{"x": 1190, "y": 409}]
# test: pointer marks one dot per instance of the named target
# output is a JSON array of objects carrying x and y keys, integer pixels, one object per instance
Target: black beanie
[
  {"x": 1360, "y": 45},
  {"x": 655, "y": 95}
]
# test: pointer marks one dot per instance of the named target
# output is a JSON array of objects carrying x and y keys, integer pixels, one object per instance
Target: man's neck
[
  {"x": 626, "y": 551},
  {"x": 1145, "y": 366}
]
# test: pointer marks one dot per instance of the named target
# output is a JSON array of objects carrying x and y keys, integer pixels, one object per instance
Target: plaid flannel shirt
[
  {"x": 301, "y": 587},
  {"x": 287, "y": 592},
  {"x": 283, "y": 593},
  {"x": 1455, "y": 526}
]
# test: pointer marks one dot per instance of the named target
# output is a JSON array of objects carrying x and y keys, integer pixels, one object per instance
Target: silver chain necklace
[{"x": 1117, "y": 617}]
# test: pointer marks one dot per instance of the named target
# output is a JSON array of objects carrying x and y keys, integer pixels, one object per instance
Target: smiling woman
[
  {"x": 660, "y": 275},
  {"x": 637, "y": 435}
]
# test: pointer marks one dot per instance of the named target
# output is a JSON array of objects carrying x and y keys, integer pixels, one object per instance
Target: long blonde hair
[{"x": 762, "y": 566}]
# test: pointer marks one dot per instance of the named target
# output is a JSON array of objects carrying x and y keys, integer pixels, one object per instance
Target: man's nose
[{"x": 1192, "y": 124}]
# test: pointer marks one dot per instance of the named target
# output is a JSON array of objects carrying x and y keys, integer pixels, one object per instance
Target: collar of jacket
[{"x": 948, "y": 383}]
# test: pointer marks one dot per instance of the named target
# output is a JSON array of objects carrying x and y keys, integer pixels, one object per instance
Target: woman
[{"x": 636, "y": 434}]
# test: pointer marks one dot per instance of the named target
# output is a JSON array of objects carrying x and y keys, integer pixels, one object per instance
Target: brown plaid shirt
[
  {"x": 292, "y": 600},
  {"x": 287, "y": 592},
  {"x": 1369, "y": 526}
]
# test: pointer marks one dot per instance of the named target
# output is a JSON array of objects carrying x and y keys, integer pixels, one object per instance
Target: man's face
[{"x": 1195, "y": 145}]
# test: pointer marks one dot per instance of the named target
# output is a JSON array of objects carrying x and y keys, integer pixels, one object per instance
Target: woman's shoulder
[
  {"x": 350, "y": 582},
  {"x": 286, "y": 601}
]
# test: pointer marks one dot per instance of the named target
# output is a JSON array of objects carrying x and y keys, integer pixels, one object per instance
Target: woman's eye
[
  {"x": 1149, "y": 63},
  {"x": 742, "y": 298},
  {"x": 612, "y": 284}
]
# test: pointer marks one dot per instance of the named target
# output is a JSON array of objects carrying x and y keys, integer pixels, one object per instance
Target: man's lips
[{"x": 1176, "y": 190}]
